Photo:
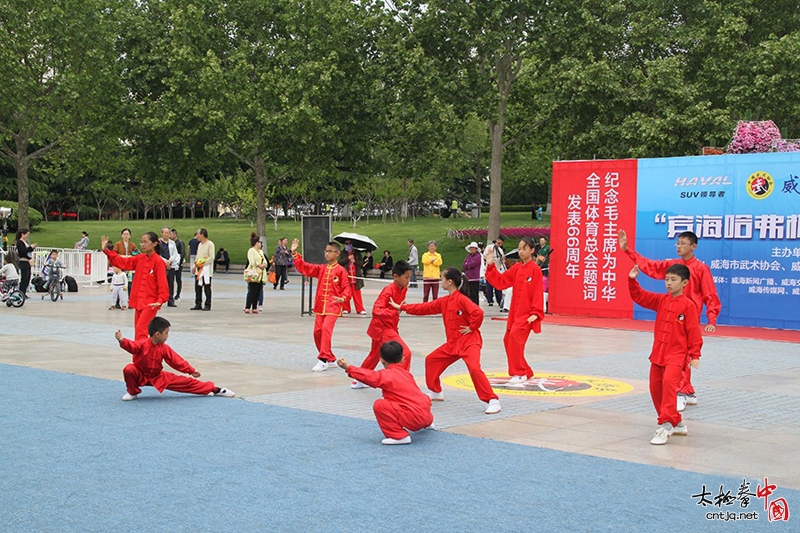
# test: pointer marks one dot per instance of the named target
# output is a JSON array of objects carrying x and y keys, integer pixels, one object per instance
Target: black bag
[
  {"x": 72, "y": 285},
  {"x": 38, "y": 284}
]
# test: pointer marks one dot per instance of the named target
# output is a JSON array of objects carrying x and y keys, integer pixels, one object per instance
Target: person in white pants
[{"x": 119, "y": 289}]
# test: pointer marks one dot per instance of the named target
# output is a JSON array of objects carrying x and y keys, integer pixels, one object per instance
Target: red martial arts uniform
[
  {"x": 147, "y": 369},
  {"x": 677, "y": 339},
  {"x": 527, "y": 299},
  {"x": 700, "y": 289},
  {"x": 333, "y": 283},
  {"x": 457, "y": 311},
  {"x": 384, "y": 326},
  {"x": 149, "y": 286},
  {"x": 403, "y": 406},
  {"x": 354, "y": 290}
]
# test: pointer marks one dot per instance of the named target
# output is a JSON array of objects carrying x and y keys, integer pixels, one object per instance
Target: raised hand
[
  {"x": 623, "y": 240},
  {"x": 634, "y": 272}
]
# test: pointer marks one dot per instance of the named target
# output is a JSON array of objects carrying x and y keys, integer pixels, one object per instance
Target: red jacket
[
  {"x": 457, "y": 311},
  {"x": 333, "y": 283},
  {"x": 149, "y": 357},
  {"x": 677, "y": 336},
  {"x": 396, "y": 383},
  {"x": 386, "y": 318},
  {"x": 150, "y": 279},
  {"x": 528, "y": 296},
  {"x": 700, "y": 289}
]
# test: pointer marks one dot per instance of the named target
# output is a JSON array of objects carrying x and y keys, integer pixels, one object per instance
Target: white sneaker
[
  {"x": 358, "y": 385},
  {"x": 128, "y": 397},
  {"x": 345, "y": 312},
  {"x": 321, "y": 366},
  {"x": 362, "y": 313},
  {"x": 681, "y": 402},
  {"x": 404, "y": 440},
  {"x": 493, "y": 407},
  {"x": 681, "y": 429},
  {"x": 436, "y": 396},
  {"x": 432, "y": 427},
  {"x": 516, "y": 381},
  {"x": 225, "y": 393},
  {"x": 691, "y": 399},
  {"x": 332, "y": 364},
  {"x": 661, "y": 436}
]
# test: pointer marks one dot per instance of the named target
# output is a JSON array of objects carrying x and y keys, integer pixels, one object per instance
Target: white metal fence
[{"x": 85, "y": 266}]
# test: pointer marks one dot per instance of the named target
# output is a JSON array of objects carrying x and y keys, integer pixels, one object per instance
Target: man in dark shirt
[{"x": 181, "y": 246}]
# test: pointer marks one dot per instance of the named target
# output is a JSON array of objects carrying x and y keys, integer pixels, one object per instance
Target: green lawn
[{"x": 234, "y": 235}]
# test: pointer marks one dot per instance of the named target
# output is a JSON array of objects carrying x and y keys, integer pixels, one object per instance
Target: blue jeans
[{"x": 492, "y": 294}]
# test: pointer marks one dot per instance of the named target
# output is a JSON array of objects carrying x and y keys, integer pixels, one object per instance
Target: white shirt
[{"x": 9, "y": 271}]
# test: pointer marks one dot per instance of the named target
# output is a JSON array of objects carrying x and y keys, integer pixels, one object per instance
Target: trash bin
[
  {"x": 476, "y": 212},
  {"x": 444, "y": 212}
]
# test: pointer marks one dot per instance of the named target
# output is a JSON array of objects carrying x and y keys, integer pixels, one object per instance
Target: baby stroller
[{"x": 10, "y": 293}]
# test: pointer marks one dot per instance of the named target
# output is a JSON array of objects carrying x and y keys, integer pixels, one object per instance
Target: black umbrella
[{"x": 359, "y": 242}]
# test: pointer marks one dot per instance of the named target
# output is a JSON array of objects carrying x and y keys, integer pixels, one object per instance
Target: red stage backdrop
[{"x": 592, "y": 201}]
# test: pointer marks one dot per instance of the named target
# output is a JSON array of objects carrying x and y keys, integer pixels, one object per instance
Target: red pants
[
  {"x": 441, "y": 358},
  {"x": 394, "y": 419},
  {"x": 359, "y": 302},
  {"x": 514, "y": 341},
  {"x": 134, "y": 380},
  {"x": 141, "y": 319},
  {"x": 374, "y": 357},
  {"x": 428, "y": 286},
  {"x": 685, "y": 384},
  {"x": 664, "y": 392},
  {"x": 323, "y": 332}
]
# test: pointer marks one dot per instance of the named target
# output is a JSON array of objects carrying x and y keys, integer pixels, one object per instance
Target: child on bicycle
[
  {"x": 9, "y": 278},
  {"x": 52, "y": 269}
]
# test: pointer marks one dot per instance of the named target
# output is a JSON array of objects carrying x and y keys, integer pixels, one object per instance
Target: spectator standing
[
  {"x": 472, "y": 269},
  {"x": 25, "y": 258},
  {"x": 413, "y": 260},
  {"x": 125, "y": 247},
  {"x": 492, "y": 293},
  {"x": 367, "y": 264},
  {"x": 351, "y": 261},
  {"x": 169, "y": 252},
  {"x": 181, "y": 246},
  {"x": 256, "y": 262},
  {"x": 431, "y": 261},
  {"x": 281, "y": 261},
  {"x": 202, "y": 269},
  {"x": 193, "y": 243}
]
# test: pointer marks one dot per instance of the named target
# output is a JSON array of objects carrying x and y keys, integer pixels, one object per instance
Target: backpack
[
  {"x": 38, "y": 284},
  {"x": 72, "y": 285}
]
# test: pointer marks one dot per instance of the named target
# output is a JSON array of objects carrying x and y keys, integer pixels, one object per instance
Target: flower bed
[
  {"x": 481, "y": 234},
  {"x": 786, "y": 145},
  {"x": 751, "y": 137}
]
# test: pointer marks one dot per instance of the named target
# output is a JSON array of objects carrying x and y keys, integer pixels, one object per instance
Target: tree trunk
[
  {"x": 261, "y": 193},
  {"x": 22, "y": 163},
  {"x": 505, "y": 77},
  {"x": 478, "y": 182}
]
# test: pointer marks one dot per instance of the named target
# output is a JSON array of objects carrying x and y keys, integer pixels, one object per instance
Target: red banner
[
  {"x": 87, "y": 264},
  {"x": 592, "y": 201}
]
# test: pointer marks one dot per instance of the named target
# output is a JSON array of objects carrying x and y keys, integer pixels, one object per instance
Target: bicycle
[
  {"x": 56, "y": 285},
  {"x": 10, "y": 293}
]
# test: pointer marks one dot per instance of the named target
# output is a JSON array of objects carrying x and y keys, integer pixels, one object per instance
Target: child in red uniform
[
  {"x": 527, "y": 306},
  {"x": 147, "y": 366},
  {"x": 333, "y": 290},
  {"x": 355, "y": 284},
  {"x": 385, "y": 319},
  {"x": 676, "y": 344},
  {"x": 403, "y": 407},
  {"x": 149, "y": 290},
  {"x": 701, "y": 290},
  {"x": 462, "y": 318}
]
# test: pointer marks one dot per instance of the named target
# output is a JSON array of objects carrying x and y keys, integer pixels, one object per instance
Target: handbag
[
  {"x": 272, "y": 278},
  {"x": 252, "y": 275}
]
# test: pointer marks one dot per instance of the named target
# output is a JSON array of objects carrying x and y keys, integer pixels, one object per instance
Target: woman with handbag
[{"x": 255, "y": 274}]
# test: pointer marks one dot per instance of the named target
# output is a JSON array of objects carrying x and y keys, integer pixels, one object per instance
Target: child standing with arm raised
[{"x": 676, "y": 344}]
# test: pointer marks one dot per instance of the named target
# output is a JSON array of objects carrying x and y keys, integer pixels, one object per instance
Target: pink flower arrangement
[
  {"x": 474, "y": 234},
  {"x": 750, "y": 137},
  {"x": 786, "y": 145}
]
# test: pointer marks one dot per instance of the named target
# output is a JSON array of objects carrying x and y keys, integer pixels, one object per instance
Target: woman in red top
[
  {"x": 149, "y": 290},
  {"x": 462, "y": 318},
  {"x": 527, "y": 307}
]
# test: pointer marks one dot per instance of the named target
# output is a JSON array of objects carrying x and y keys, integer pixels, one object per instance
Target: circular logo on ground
[
  {"x": 760, "y": 185},
  {"x": 543, "y": 384}
]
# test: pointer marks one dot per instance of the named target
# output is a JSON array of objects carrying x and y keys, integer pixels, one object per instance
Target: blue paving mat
[{"x": 74, "y": 457}]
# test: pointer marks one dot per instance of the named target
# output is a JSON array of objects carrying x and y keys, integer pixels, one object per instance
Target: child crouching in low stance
[
  {"x": 676, "y": 344},
  {"x": 404, "y": 407},
  {"x": 147, "y": 366}
]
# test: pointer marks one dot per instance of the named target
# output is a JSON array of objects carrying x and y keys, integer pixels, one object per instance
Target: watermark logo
[
  {"x": 544, "y": 384},
  {"x": 777, "y": 509}
]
